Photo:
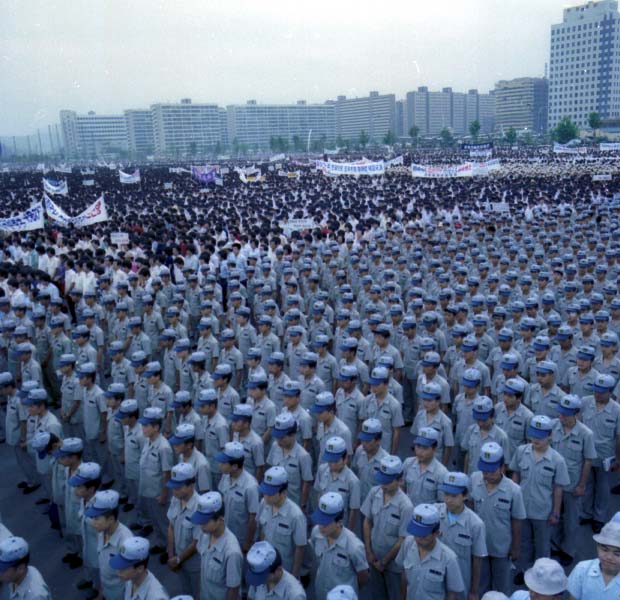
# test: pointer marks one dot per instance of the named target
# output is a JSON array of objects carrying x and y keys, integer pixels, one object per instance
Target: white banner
[
  {"x": 606, "y": 146},
  {"x": 63, "y": 169},
  {"x": 219, "y": 181},
  {"x": 289, "y": 174},
  {"x": 224, "y": 171},
  {"x": 393, "y": 162},
  {"x": 178, "y": 170},
  {"x": 119, "y": 238},
  {"x": 277, "y": 157},
  {"x": 87, "y": 171},
  {"x": 562, "y": 149},
  {"x": 55, "y": 213},
  {"x": 55, "y": 187},
  {"x": 483, "y": 168},
  {"x": 88, "y": 182},
  {"x": 602, "y": 177},
  {"x": 357, "y": 168},
  {"x": 480, "y": 153},
  {"x": 168, "y": 185},
  {"x": 296, "y": 225},
  {"x": 95, "y": 213},
  {"x": 464, "y": 170},
  {"x": 129, "y": 177},
  {"x": 26, "y": 221}
]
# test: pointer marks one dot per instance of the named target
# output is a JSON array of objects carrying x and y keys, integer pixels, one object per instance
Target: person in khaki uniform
[
  {"x": 541, "y": 472},
  {"x": 281, "y": 522},
  {"x": 339, "y": 555},
  {"x": 268, "y": 577},
  {"x": 430, "y": 569},
  {"x": 387, "y": 511},
  {"x": 221, "y": 559},
  {"x": 498, "y": 501}
]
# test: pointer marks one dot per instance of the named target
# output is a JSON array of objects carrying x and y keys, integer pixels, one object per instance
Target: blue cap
[
  {"x": 132, "y": 551},
  {"x": 86, "y": 471},
  {"x": 275, "y": 478},
  {"x": 482, "y": 408},
  {"x": 371, "y": 430},
  {"x": 284, "y": 425},
  {"x": 261, "y": 558},
  {"x": 424, "y": 520},
  {"x": 491, "y": 457},
  {"x": 540, "y": 427},
  {"x": 181, "y": 474},
  {"x": 151, "y": 415},
  {"x": 330, "y": 508},
  {"x": 569, "y": 405},
  {"x": 324, "y": 401},
  {"x": 390, "y": 469},
  {"x": 183, "y": 433},
  {"x": 454, "y": 483},
  {"x": 104, "y": 501},
  {"x": 335, "y": 449},
  {"x": 209, "y": 505}
]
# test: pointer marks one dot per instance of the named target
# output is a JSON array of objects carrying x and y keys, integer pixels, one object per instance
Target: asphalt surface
[{"x": 24, "y": 518}]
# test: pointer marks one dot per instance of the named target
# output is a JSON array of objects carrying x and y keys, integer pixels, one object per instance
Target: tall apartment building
[
  {"x": 185, "y": 127},
  {"x": 140, "y": 131},
  {"x": 584, "y": 74},
  {"x": 522, "y": 103},
  {"x": 375, "y": 114},
  {"x": 91, "y": 135},
  {"x": 255, "y": 124},
  {"x": 431, "y": 112}
]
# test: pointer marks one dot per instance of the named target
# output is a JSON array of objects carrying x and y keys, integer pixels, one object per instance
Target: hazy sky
[{"x": 107, "y": 55}]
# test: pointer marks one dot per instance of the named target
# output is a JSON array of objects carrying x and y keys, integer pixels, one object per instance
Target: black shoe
[
  {"x": 163, "y": 558},
  {"x": 146, "y": 531},
  {"x": 519, "y": 578},
  {"x": 92, "y": 594},
  {"x": 616, "y": 490},
  {"x": 585, "y": 521},
  {"x": 29, "y": 489},
  {"x": 123, "y": 500},
  {"x": 107, "y": 485},
  {"x": 84, "y": 584},
  {"x": 565, "y": 559},
  {"x": 597, "y": 526},
  {"x": 136, "y": 526},
  {"x": 128, "y": 507},
  {"x": 76, "y": 563},
  {"x": 67, "y": 558},
  {"x": 42, "y": 501},
  {"x": 22, "y": 484},
  {"x": 157, "y": 550}
]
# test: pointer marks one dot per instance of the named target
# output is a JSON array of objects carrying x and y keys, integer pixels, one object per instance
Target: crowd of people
[{"x": 414, "y": 398}]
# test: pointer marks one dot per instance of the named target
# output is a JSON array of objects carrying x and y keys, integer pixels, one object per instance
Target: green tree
[
  {"x": 528, "y": 140},
  {"x": 447, "y": 139},
  {"x": 511, "y": 136},
  {"x": 235, "y": 147},
  {"x": 594, "y": 121},
  {"x": 341, "y": 143},
  {"x": 565, "y": 131},
  {"x": 363, "y": 139},
  {"x": 297, "y": 143},
  {"x": 414, "y": 134},
  {"x": 389, "y": 138},
  {"x": 474, "y": 129}
]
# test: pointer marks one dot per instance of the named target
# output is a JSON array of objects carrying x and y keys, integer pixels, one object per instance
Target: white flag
[
  {"x": 26, "y": 221},
  {"x": 55, "y": 187},
  {"x": 129, "y": 177},
  {"x": 95, "y": 213}
]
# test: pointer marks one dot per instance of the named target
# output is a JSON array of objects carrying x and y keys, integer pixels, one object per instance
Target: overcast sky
[{"x": 107, "y": 55}]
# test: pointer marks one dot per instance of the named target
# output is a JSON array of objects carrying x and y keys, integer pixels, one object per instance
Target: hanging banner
[
  {"x": 364, "y": 167},
  {"x": 562, "y": 149},
  {"x": 289, "y": 174},
  {"x": 55, "y": 213},
  {"x": 483, "y": 168},
  {"x": 394, "y": 162},
  {"x": 30, "y": 219},
  {"x": 55, "y": 187},
  {"x": 204, "y": 174},
  {"x": 95, "y": 213},
  {"x": 129, "y": 177},
  {"x": 178, "y": 170},
  {"x": 88, "y": 182},
  {"x": 296, "y": 225},
  {"x": 63, "y": 169},
  {"x": 607, "y": 146},
  {"x": 277, "y": 158},
  {"x": 481, "y": 147},
  {"x": 464, "y": 170}
]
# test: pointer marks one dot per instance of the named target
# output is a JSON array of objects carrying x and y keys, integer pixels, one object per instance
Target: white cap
[
  {"x": 494, "y": 596},
  {"x": 546, "y": 577},
  {"x": 609, "y": 535},
  {"x": 12, "y": 550},
  {"x": 342, "y": 592}
]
